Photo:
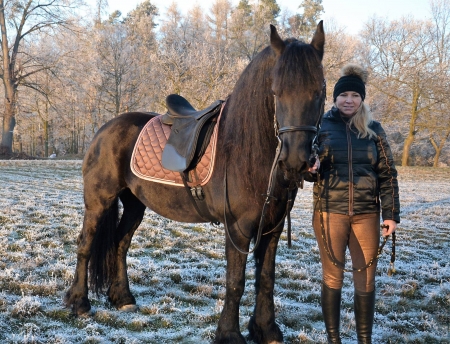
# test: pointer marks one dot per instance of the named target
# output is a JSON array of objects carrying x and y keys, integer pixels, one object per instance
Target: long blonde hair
[{"x": 361, "y": 121}]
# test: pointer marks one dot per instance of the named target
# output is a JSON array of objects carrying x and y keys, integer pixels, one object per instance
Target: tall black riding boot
[
  {"x": 331, "y": 310},
  {"x": 364, "y": 314}
]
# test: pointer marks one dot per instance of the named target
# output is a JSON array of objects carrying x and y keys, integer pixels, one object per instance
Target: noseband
[{"x": 290, "y": 128}]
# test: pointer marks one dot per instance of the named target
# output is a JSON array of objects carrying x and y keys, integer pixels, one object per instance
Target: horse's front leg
[
  {"x": 228, "y": 330},
  {"x": 262, "y": 326}
]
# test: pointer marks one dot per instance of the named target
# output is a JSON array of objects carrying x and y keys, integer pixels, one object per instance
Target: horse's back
[{"x": 112, "y": 145}]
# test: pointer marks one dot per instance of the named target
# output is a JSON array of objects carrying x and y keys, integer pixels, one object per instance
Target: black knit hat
[{"x": 353, "y": 78}]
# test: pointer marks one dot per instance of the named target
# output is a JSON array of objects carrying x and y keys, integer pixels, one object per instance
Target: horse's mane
[
  {"x": 297, "y": 66},
  {"x": 249, "y": 132},
  {"x": 250, "y": 107}
]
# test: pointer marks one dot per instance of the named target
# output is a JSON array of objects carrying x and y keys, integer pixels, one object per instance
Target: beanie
[{"x": 353, "y": 78}]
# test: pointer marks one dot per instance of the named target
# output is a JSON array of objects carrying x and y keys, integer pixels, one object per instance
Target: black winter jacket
[{"x": 355, "y": 173}]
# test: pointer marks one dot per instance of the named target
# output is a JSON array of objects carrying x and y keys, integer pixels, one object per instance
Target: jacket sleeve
[{"x": 387, "y": 178}]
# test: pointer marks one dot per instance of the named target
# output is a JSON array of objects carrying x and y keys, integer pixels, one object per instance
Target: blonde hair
[{"x": 361, "y": 121}]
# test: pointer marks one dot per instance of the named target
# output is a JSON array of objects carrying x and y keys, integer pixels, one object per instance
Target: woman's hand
[
  {"x": 316, "y": 166},
  {"x": 391, "y": 227}
]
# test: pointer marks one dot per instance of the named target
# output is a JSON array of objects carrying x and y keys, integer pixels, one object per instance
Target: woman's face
[{"x": 348, "y": 103}]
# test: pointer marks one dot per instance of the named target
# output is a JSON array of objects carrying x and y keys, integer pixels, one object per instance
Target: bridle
[
  {"x": 293, "y": 184},
  {"x": 292, "y": 128}
]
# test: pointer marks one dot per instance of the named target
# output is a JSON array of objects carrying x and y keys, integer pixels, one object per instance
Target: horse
[{"x": 266, "y": 133}]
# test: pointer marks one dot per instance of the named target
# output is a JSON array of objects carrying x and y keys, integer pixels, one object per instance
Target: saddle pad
[{"x": 147, "y": 153}]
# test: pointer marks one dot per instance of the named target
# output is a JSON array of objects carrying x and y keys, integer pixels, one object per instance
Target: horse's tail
[{"x": 103, "y": 264}]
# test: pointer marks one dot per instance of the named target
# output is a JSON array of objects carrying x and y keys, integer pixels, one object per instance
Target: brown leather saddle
[{"x": 190, "y": 134}]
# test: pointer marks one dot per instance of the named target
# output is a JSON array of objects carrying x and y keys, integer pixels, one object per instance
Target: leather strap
[
  {"x": 297, "y": 128},
  {"x": 198, "y": 201}
]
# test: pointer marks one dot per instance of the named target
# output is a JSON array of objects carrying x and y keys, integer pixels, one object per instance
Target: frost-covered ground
[{"x": 177, "y": 270}]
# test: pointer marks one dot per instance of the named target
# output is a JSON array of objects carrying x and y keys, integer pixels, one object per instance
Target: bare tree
[
  {"x": 249, "y": 27},
  {"x": 439, "y": 126},
  {"x": 22, "y": 22},
  {"x": 402, "y": 69},
  {"x": 218, "y": 20},
  {"x": 304, "y": 25}
]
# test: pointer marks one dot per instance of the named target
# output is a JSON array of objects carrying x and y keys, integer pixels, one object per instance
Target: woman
[{"x": 356, "y": 173}]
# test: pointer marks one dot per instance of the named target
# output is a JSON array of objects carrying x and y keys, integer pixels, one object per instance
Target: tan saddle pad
[{"x": 147, "y": 153}]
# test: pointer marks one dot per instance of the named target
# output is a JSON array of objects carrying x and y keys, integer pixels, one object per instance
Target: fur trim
[{"x": 355, "y": 70}]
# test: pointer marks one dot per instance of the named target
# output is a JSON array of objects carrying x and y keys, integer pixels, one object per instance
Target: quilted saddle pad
[{"x": 147, "y": 153}]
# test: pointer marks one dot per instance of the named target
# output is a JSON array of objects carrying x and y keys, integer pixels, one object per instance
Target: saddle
[{"x": 190, "y": 134}]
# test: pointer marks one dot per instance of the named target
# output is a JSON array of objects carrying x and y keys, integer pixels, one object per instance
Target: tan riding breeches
[{"x": 361, "y": 234}]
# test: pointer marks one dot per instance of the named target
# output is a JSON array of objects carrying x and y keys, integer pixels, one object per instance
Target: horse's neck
[{"x": 250, "y": 133}]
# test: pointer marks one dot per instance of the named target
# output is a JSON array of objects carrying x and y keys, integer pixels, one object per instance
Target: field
[{"x": 177, "y": 270}]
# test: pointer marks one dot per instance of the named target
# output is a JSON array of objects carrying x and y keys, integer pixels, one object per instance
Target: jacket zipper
[{"x": 350, "y": 171}]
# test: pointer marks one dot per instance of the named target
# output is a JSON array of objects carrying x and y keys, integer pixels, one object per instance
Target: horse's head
[{"x": 299, "y": 89}]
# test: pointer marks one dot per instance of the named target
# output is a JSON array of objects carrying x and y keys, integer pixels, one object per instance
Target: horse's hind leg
[
  {"x": 133, "y": 211},
  {"x": 98, "y": 210},
  {"x": 262, "y": 327}
]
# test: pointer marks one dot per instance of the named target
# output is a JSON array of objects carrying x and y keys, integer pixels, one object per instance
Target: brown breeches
[{"x": 361, "y": 234}]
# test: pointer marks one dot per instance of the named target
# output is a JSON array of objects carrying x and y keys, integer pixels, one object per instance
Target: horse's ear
[
  {"x": 275, "y": 41},
  {"x": 318, "y": 40}
]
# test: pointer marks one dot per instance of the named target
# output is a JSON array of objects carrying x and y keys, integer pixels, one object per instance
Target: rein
[{"x": 269, "y": 197}]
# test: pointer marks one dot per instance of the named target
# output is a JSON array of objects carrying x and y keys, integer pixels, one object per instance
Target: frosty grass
[{"x": 177, "y": 270}]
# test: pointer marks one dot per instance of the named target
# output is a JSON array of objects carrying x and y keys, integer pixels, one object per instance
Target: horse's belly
[{"x": 171, "y": 202}]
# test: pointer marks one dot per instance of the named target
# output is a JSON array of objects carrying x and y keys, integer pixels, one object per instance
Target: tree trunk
[
  {"x": 46, "y": 136},
  {"x": 407, "y": 147},
  {"x": 9, "y": 117},
  {"x": 438, "y": 148},
  {"x": 436, "y": 158},
  {"x": 9, "y": 122},
  {"x": 412, "y": 127}
]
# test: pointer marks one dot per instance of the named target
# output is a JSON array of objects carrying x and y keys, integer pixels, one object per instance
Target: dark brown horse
[{"x": 285, "y": 81}]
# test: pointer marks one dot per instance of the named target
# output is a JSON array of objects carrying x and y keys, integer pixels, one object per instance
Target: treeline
[{"x": 68, "y": 69}]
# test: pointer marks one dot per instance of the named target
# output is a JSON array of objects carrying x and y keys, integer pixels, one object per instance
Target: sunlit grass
[{"x": 177, "y": 270}]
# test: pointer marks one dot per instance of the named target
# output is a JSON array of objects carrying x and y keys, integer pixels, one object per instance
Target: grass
[{"x": 177, "y": 270}]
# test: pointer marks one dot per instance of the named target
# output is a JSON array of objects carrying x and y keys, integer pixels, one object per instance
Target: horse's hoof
[
  {"x": 89, "y": 314},
  {"x": 128, "y": 308}
]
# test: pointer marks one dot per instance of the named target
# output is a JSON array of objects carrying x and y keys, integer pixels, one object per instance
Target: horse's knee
[{"x": 235, "y": 290}]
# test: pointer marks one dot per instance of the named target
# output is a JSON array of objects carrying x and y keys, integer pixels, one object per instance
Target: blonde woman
[{"x": 358, "y": 181}]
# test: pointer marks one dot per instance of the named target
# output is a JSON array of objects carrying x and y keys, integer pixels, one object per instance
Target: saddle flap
[{"x": 188, "y": 140}]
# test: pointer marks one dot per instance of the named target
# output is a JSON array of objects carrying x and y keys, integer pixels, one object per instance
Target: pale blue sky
[{"x": 349, "y": 13}]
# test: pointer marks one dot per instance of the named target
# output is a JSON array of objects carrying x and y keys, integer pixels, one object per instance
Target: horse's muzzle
[
  {"x": 293, "y": 174},
  {"x": 296, "y": 174}
]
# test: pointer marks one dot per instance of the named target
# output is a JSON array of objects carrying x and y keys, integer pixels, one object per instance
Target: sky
[{"x": 351, "y": 14}]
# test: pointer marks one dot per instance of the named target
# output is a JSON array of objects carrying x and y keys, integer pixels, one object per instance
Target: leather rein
[{"x": 292, "y": 187}]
